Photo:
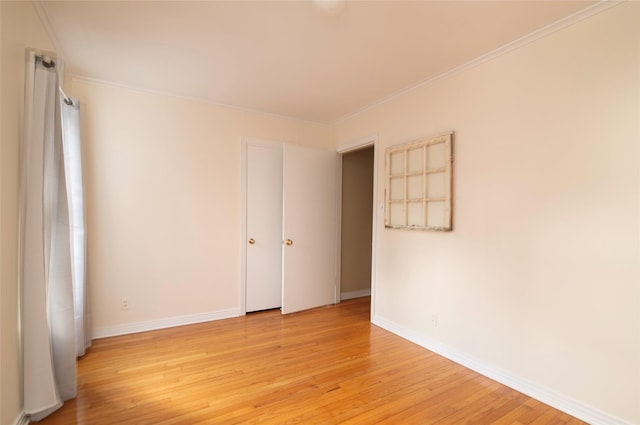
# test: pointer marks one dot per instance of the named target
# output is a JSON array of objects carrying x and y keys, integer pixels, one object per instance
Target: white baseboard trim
[
  {"x": 561, "y": 402},
  {"x": 169, "y": 322},
  {"x": 355, "y": 294},
  {"x": 22, "y": 419}
]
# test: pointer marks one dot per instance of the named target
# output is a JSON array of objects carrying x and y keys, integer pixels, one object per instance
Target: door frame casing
[{"x": 355, "y": 145}]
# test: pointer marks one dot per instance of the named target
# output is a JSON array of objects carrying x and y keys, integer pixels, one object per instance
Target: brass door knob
[
  {"x": 252, "y": 241},
  {"x": 288, "y": 242}
]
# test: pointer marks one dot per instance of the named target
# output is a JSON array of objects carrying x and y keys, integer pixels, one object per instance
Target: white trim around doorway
[{"x": 360, "y": 143}]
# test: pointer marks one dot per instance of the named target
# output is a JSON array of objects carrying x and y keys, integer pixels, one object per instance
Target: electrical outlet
[
  {"x": 434, "y": 319},
  {"x": 124, "y": 304}
]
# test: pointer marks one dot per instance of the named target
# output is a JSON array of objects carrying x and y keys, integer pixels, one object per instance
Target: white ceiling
[{"x": 289, "y": 58}]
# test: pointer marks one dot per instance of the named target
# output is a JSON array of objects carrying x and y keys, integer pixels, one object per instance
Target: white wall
[
  {"x": 162, "y": 179},
  {"x": 20, "y": 28},
  {"x": 540, "y": 277}
]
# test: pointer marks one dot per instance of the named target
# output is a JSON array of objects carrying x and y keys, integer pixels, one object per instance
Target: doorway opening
[{"x": 357, "y": 221}]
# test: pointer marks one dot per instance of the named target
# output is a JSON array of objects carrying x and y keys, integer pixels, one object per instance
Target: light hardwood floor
[{"x": 325, "y": 366}]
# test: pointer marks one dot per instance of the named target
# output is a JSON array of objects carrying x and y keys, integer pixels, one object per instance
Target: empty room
[{"x": 320, "y": 212}]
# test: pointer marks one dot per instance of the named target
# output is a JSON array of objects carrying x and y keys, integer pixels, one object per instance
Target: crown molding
[{"x": 506, "y": 48}]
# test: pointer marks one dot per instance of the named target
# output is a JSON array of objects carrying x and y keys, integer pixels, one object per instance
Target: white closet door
[
  {"x": 264, "y": 227},
  {"x": 309, "y": 223}
]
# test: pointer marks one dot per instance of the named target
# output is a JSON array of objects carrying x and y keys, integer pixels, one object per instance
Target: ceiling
[{"x": 291, "y": 58}]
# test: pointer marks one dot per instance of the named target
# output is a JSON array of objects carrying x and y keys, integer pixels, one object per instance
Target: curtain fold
[
  {"x": 52, "y": 252},
  {"x": 75, "y": 192},
  {"x": 40, "y": 388}
]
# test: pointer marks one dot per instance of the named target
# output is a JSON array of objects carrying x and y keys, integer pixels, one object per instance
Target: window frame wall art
[{"x": 418, "y": 184}]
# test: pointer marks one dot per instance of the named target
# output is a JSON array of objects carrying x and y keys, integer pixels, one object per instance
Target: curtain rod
[
  {"x": 48, "y": 62},
  {"x": 66, "y": 98}
]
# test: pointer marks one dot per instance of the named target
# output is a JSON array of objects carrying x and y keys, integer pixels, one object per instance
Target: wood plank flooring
[{"x": 325, "y": 366}]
